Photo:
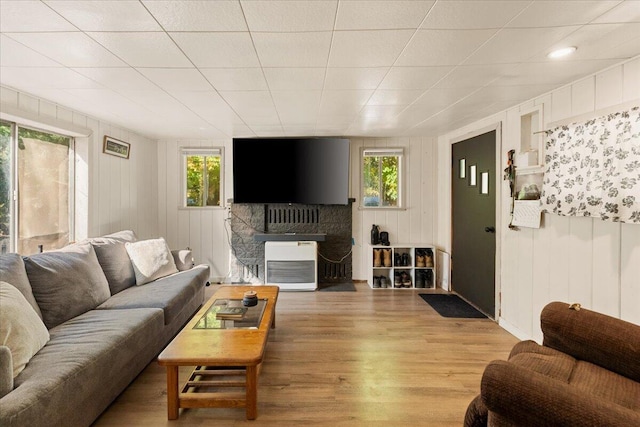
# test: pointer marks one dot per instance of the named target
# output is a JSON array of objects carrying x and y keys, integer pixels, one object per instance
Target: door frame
[{"x": 497, "y": 126}]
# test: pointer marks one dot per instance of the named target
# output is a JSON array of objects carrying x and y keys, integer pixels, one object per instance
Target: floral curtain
[{"x": 593, "y": 168}]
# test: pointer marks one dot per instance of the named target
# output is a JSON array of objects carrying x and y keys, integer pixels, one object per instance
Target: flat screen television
[{"x": 312, "y": 171}]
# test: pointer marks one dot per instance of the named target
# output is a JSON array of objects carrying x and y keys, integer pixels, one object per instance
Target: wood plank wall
[
  {"x": 112, "y": 193},
  {"x": 594, "y": 262}
]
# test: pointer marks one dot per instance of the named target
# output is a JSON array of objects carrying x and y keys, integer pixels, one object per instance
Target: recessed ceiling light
[{"x": 559, "y": 53}]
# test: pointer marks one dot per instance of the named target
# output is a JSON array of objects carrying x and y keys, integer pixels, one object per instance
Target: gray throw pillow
[
  {"x": 114, "y": 260},
  {"x": 66, "y": 282},
  {"x": 12, "y": 271}
]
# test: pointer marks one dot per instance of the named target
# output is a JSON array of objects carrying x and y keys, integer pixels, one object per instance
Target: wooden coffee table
[{"x": 221, "y": 356}]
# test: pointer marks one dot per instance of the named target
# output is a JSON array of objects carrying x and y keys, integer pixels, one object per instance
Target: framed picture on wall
[{"x": 116, "y": 147}]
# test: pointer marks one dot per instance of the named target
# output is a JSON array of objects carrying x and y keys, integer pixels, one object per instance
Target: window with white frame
[
  {"x": 36, "y": 189},
  {"x": 381, "y": 177},
  {"x": 202, "y": 177}
]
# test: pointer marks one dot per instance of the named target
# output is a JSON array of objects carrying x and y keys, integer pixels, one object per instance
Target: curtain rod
[{"x": 592, "y": 115}]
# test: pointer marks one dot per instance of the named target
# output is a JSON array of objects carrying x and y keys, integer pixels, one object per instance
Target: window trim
[
  {"x": 204, "y": 151},
  {"x": 381, "y": 152}
]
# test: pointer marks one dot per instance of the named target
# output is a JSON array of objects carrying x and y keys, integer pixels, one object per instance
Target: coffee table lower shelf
[{"x": 207, "y": 388}]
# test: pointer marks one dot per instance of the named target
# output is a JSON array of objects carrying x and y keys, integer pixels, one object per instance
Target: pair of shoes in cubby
[
  {"x": 381, "y": 257},
  {"x": 424, "y": 258},
  {"x": 381, "y": 282},
  {"x": 424, "y": 278},
  {"x": 401, "y": 279}
]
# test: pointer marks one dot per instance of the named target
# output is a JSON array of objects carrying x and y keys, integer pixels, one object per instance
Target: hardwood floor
[{"x": 365, "y": 358}]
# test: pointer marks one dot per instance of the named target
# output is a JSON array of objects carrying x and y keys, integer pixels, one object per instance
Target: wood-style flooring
[{"x": 365, "y": 358}]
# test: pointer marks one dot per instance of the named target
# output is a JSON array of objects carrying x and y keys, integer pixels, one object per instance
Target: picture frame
[{"x": 115, "y": 147}]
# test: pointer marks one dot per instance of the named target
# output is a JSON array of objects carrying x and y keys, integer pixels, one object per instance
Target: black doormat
[
  {"x": 337, "y": 287},
  {"x": 450, "y": 305}
]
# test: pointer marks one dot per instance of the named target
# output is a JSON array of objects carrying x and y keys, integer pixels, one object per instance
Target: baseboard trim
[{"x": 509, "y": 327}]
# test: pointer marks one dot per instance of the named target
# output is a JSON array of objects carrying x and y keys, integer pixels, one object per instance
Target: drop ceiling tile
[
  {"x": 14, "y": 54},
  {"x": 335, "y": 121},
  {"x": 462, "y": 15},
  {"x": 297, "y": 102},
  {"x": 627, "y": 11},
  {"x": 381, "y": 15},
  {"x": 118, "y": 78},
  {"x": 45, "y": 77},
  {"x": 267, "y": 131},
  {"x": 474, "y": 75},
  {"x": 235, "y": 78},
  {"x": 382, "y": 111},
  {"x": 106, "y": 15},
  {"x": 560, "y": 13},
  {"x": 176, "y": 79},
  {"x": 265, "y": 119},
  {"x": 200, "y": 15},
  {"x": 354, "y": 78},
  {"x": 208, "y": 105},
  {"x": 295, "y": 78},
  {"x": 551, "y": 72},
  {"x": 515, "y": 94},
  {"x": 143, "y": 49},
  {"x": 407, "y": 78},
  {"x": 290, "y": 15},
  {"x": 161, "y": 103},
  {"x": 445, "y": 96},
  {"x": 367, "y": 48},
  {"x": 344, "y": 110},
  {"x": 31, "y": 16},
  {"x": 394, "y": 97},
  {"x": 220, "y": 50},
  {"x": 293, "y": 49},
  {"x": 69, "y": 49},
  {"x": 442, "y": 47},
  {"x": 346, "y": 97},
  {"x": 249, "y": 103},
  {"x": 513, "y": 45}
]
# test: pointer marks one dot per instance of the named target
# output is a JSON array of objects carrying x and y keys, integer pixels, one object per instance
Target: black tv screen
[{"x": 291, "y": 170}]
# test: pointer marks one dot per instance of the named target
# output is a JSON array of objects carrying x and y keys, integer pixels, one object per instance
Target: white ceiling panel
[
  {"x": 193, "y": 15},
  {"x": 560, "y": 13},
  {"x": 28, "y": 16},
  {"x": 460, "y": 15},
  {"x": 176, "y": 79},
  {"x": 290, "y": 15},
  {"x": 295, "y": 78},
  {"x": 218, "y": 49},
  {"x": 49, "y": 78},
  {"x": 414, "y": 77},
  {"x": 442, "y": 47},
  {"x": 104, "y": 15},
  {"x": 354, "y": 78},
  {"x": 118, "y": 78},
  {"x": 69, "y": 49},
  {"x": 235, "y": 78},
  {"x": 14, "y": 54},
  {"x": 368, "y": 48},
  {"x": 224, "y": 68},
  {"x": 394, "y": 97},
  {"x": 293, "y": 49},
  {"x": 381, "y": 15},
  {"x": 143, "y": 49},
  {"x": 505, "y": 46}
]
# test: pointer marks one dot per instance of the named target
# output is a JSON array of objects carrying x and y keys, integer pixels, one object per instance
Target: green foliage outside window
[
  {"x": 380, "y": 177},
  {"x": 203, "y": 180},
  {"x": 5, "y": 179}
]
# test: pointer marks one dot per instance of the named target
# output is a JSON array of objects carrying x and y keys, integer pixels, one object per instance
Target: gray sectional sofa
[{"x": 99, "y": 341}]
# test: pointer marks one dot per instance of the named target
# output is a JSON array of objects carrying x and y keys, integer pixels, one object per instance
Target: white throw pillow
[
  {"x": 151, "y": 259},
  {"x": 21, "y": 329}
]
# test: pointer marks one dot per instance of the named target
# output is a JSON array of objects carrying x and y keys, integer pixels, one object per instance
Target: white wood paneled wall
[
  {"x": 204, "y": 230},
  {"x": 590, "y": 261},
  {"x": 415, "y": 223},
  {"x": 112, "y": 193}
]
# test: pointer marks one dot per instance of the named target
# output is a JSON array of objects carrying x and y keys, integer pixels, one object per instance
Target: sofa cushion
[
  {"x": 606, "y": 385},
  {"x": 66, "y": 282},
  {"x": 6, "y": 371},
  {"x": 12, "y": 270},
  {"x": 114, "y": 259},
  {"x": 183, "y": 259},
  {"x": 88, "y": 361},
  {"x": 544, "y": 360},
  {"x": 170, "y": 293},
  {"x": 21, "y": 329},
  {"x": 151, "y": 259}
]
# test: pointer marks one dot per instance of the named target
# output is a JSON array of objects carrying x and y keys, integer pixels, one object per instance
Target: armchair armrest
[
  {"x": 528, "y": 398},
  {"x": 593, "y": 337}
]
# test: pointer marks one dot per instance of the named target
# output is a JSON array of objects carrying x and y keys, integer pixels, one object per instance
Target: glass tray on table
[{"x": 249, "y": 320}]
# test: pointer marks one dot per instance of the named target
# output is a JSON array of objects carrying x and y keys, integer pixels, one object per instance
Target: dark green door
[{"x": 474, "y": 219}]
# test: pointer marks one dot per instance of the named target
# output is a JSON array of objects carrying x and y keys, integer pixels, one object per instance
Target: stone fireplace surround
[{"x": 249, "y": 220}]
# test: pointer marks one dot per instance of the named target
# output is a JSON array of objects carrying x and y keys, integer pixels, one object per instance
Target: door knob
[{"x": 490, "y": 229}]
